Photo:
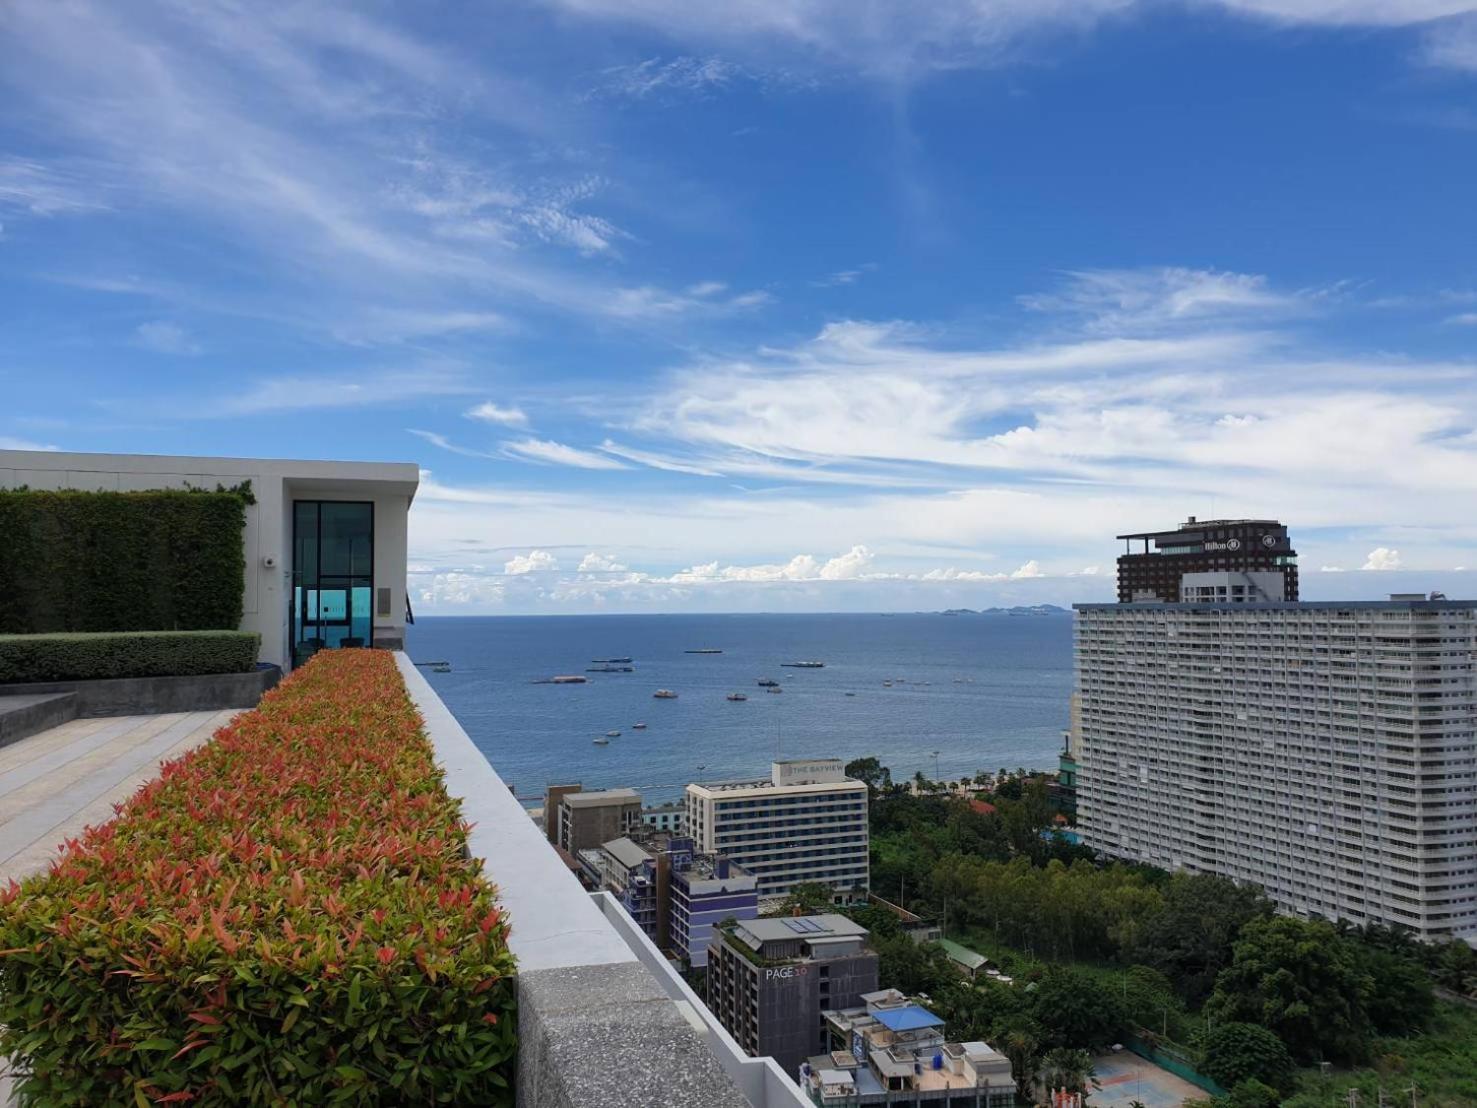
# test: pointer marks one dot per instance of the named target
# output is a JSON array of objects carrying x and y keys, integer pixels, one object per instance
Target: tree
[
  {"x": 1064, "y": 1068},
  {"x": 1075, "y": 1010},
  {"x": 1301, "y": 981},
  {"x": 1190, "y": 939},
  {"x": 1237, "y": 1052},
  {"x": 876, "y": 776},
  {"x": 1023, "y": 1049},
  {"x": 1402, "y": 1001}
]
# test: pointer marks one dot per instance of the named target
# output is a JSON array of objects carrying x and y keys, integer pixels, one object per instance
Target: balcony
[{"x": 602, "y": 1018}]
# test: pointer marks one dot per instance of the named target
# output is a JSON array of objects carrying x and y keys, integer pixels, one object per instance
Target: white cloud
[
  {"x": 655, "y": 78},
  {"x": 600, "y": 563},
  {"x": 648, "y": 302},
  {"x": 1330, "y": 569},
  {"x": 488, "y": 412},
  {"x": 849, "y": 566},
  {"x": 163, "y": 337},
  {"x": 306, "y": 393},
  {"x": 32, "y": 188},
  {"x": 657, "y": 461},
  {"x": 1382, "y": 558},
  {"x": 535, "y": 561},
  {"x": 1030, "y": 569},
  {"x": 898, "y": 39},
  {"x": 1463, "y": 319},
  {"x": 1118, "y": 300},
  {"x": 442, "y": 442},
  {"x": 557, "y": 453},
  {"x": 9, "y": 443}
]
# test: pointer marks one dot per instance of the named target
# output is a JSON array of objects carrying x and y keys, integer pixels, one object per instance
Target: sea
[{"x": 968, "y": 692}]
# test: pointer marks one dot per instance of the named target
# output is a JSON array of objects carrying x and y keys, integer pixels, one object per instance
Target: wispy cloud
[
  {"x": 306, "y": 392},
  {"x": 661, "y": 77},
  {"x": 488, "y": 412},
  {"x": 550, "y": 452},
  {"x": 33, "y": 188},
  {"x": 844, "y": 276},
  {"x": 441, "y": 442},
  {"x": 9, "y": 443},
  {"x": 163, "y": 337},
  {"x": 1140, "y": 300}
]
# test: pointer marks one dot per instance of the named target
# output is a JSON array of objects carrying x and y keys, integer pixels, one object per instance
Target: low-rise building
[
  {"x": 806, "y": 822},
  {"x": 770, "y": 981},
  {"x": 891, "y": 1049},
  {"x": 584, "y": 820},
  {"x": 665, "y": 817}
]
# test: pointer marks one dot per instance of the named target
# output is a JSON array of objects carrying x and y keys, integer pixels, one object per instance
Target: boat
[
  {"x": 441, "y": 667},
  {"x": 610, "y": 669},
  {"x": 564, "y": 679},
  {"x": 638, "y": 727},
  {"x": 737, "y": 696},
  {"x": 767, "y": 683},
  {"x": 612, "y": 734},
  {"x": 601, "y": 741},
  {"x": 851, "y": 694},
  {"x": 610, "y": 661},
  {"x": 774, "y": 688},
  {"x": 887, "y": 684},
  {"x": 664, "y": 694},
  {"x": 804, "y": 665},
  {"x": 704, "y": 650}
]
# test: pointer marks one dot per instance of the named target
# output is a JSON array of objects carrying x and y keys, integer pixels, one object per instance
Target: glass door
[{"x": 332, "y": 575}]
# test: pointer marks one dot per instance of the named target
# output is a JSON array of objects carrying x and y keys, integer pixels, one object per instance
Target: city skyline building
[
  {"x": 1322, "y": 751},
  {"x": 771, "y": 981},
  {"x": 1259, "y": 547},
  {"x": 806, "y": 822}
]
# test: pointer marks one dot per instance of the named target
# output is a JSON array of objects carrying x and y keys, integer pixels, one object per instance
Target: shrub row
[
  {"x": 87, "y": 657},
  {"x": 286, "y": 915},
  {"x": 164, "y": 560}
]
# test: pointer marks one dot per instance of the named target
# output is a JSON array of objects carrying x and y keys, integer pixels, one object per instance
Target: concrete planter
[{"x": 144, "y": 696}]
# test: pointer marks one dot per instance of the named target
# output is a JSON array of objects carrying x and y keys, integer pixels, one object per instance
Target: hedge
[
  {"x": 165, "y": 560},
  {"x": 85, "y": 657},
  {"x": 286, "y": 916}
]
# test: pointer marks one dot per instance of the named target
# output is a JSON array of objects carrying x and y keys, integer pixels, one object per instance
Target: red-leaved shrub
[{"x": 286, "y": 915}]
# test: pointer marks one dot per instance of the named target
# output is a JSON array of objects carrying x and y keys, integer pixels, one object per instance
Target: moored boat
[
  {"x": 737, "y": 696},
  {"x": 664, "y": 694}
]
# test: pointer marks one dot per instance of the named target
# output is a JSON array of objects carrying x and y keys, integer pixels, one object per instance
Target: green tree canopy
[
  {"x": 1237, "y": 1052},
  {"x": 1301, "y": 981},
  {"x": 1190, "y": 939}
]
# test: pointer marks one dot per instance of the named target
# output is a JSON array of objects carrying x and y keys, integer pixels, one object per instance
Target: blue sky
[{"x": 767, "y": 305}]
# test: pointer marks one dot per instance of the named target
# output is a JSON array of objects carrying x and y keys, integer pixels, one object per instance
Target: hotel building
[
  {"x": 1258, "y": 547},
  {"x": 1326, "y": 752},
  {"x": 806, "y": 822}
]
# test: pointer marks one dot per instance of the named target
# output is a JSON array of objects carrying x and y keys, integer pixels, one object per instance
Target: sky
[{"x": 769, "y": 304}]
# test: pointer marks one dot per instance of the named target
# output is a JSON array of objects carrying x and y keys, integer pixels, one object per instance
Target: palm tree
[
  {"x": 1065, "y": 1068},
  {"x": 1021, "y": 1047}
]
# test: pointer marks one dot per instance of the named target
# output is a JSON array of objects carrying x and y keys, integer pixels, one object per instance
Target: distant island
[{"x": 1032, "y": 610}]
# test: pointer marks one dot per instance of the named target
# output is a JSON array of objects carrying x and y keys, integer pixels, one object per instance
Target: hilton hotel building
[
  {"x": 1323, "y": 751},
  {"x": 806, "y": 821}
]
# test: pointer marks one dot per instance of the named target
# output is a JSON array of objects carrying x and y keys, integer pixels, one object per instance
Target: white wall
[{"x": 276, "y": 484}]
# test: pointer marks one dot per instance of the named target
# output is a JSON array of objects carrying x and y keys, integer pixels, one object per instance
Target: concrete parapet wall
[{"x": 597, "y": 1028}]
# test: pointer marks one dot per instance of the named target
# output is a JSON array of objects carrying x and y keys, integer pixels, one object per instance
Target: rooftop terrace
[{"x": 602, "y": 1017}]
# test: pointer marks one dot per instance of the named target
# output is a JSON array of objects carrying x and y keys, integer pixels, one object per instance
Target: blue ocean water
[{"x": 984, "y": 691}]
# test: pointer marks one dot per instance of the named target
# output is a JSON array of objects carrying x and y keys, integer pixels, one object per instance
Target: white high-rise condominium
[
  {"x": 1324, "y": 751},
  {"x": 807, "y": 821}
]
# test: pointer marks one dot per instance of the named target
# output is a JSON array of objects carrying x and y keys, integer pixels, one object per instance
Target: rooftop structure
[
  {"x": 891, "y": 1048},
  {"x": 1322, "y": 751},
  {"x": 806, "y": 822},
  {"x": 1237, "y": 546},
  {"x": 325, "y": 542},
  {"x": 585, "y": 820}
]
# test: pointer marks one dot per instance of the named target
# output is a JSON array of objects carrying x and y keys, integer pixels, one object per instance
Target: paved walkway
[{"x": 55, "y": 784}]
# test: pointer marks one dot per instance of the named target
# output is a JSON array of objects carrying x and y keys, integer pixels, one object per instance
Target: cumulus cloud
[
  {"x": 535, "y": 561},
  {"x": 1382, "y": 558},
  {"x": 488, "y": 412},
  {"x": 851, "y": 566},
  {"x": 600, "y": 563}
]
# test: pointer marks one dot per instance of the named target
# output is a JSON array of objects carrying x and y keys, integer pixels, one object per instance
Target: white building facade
[
  {"x": 806, "y": 822},
  {"x": 325, "y": 542},
  {"x": 1326, "y": 752}
]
